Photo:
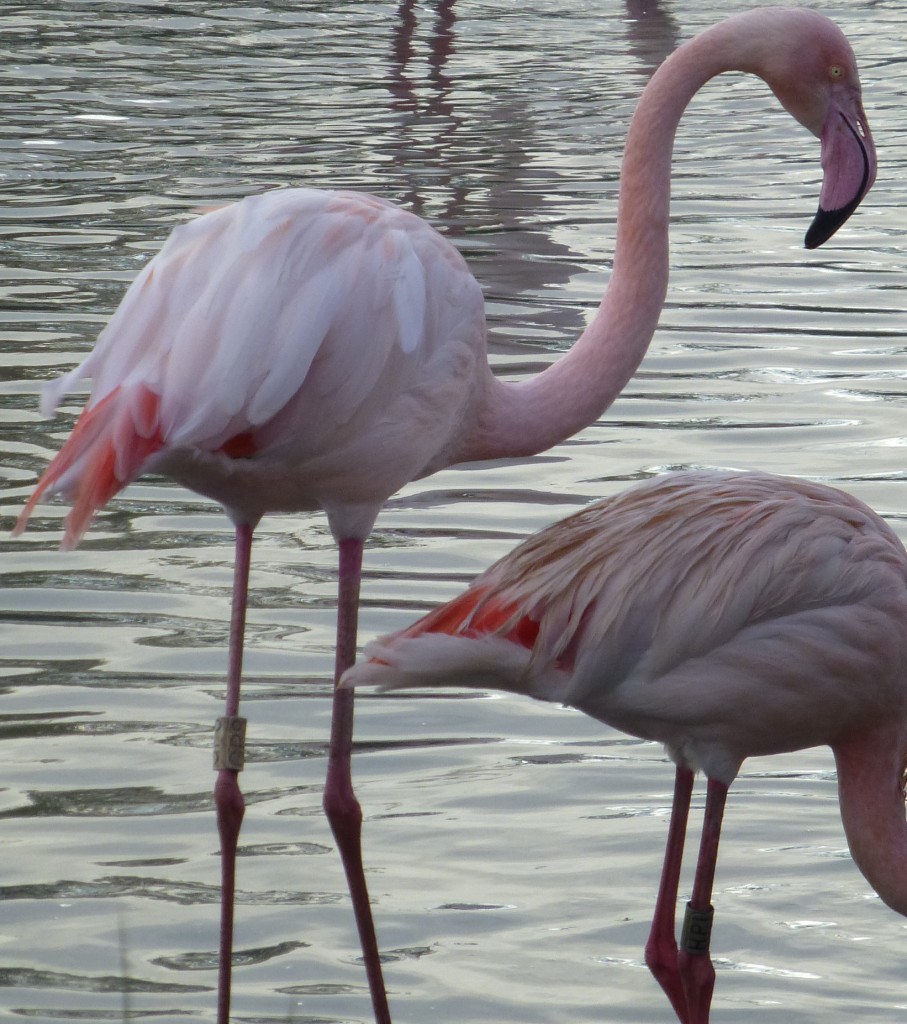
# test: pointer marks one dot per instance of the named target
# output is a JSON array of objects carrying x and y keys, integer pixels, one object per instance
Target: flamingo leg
[
  {"x": 228, "y": 760},
  {"x": 696, "y": 969},
  {"x": 661, "y": 947},
  {"x": 340, "y": 803}
]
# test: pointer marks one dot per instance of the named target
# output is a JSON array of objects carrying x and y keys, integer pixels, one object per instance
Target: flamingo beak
[{"x": 849, "y": 163}]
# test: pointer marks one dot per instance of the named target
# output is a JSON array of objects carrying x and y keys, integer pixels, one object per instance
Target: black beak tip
[{"x": 826, "y": 223}]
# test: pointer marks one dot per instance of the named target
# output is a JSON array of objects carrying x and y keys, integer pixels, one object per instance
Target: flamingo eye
[{"x": 836, "y": 71}]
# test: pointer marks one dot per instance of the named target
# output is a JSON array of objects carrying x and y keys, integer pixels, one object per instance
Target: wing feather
[
  {"x": 227, "y": 320},
  {"x": 664, "y": 575},
  {"x": 329, "y": 331}
]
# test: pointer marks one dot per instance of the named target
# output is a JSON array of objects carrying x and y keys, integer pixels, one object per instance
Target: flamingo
[
  {"x": 306, "y": 349},
  {"x": 724, "y": 614}
]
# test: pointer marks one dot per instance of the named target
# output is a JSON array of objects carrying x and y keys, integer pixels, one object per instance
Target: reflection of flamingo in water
[
  {"x": 727, "y": 615},
  {"x": 304, "y": 349},
  {"x": 441, "y": 46},
  {"x": 651, "y": 32}
]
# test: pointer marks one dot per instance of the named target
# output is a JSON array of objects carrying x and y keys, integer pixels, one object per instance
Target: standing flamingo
[
  {"x": 727, "y": 615},
  {"x": 304, "y": 349}
]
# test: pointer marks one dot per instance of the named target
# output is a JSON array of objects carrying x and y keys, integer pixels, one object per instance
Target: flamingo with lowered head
[
  {"x": 727, "y": 615},
  {"x": 309, "y": 349}
]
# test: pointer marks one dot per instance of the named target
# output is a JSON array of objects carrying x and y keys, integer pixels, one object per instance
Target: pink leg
[
  {"x": 695, "y": 964},
  {"x": 340, "y": 803},
  {"x": 228, "y": 759},
  {"x": 661, "y": 948}
]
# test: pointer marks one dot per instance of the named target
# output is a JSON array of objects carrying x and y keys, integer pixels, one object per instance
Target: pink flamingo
[
  {"x": 725, "y": 614},
  {"x": 305, "y": 349}
]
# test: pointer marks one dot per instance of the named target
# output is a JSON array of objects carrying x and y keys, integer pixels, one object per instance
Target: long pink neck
[
  {"x": 529, "y": 416},
  {"x": 871, "y": 792}
]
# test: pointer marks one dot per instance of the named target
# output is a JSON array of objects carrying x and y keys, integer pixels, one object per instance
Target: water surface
[{"x": 513, "y": 849}]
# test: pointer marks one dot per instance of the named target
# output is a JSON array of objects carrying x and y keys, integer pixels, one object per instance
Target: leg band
[
  {"x": 230, "y": 743},
  {"x": 697, "y": 929}
]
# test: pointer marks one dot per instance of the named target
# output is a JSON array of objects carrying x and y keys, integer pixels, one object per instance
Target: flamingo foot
[
  {"x": 698, "y": 974},
  {"x": 661, "y": 947},
  {"x": 229, "y": 759},
  {"x": 686, "y": 975},
  {"x": 345, "y": 817},
  {"x": 340, "y": 804},
  {"x": 230, "y": 807},
  {"x": 662, "y": 961}
]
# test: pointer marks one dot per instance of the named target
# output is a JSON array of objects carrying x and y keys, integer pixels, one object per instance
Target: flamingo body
[
  {"x": 724, "y": 614},
  {"x": 299, "y": 349}
]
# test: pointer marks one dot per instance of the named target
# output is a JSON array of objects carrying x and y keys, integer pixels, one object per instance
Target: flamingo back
[
  {"x": 262, "y": 356},
  {"x": 706, "y": 610}
]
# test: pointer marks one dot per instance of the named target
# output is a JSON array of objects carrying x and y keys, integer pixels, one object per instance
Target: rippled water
[{"x": 513, "y": 849}]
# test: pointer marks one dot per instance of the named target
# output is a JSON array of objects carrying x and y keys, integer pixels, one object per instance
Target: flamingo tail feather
[
  {"x": 107, "y": 448},
  {"x": 474, "y": 641}
]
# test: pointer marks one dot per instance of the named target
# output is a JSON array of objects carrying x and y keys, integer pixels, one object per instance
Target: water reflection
[
  {"x": 482, "y": 164},
  {"x": 652, "y": 33},
  {"x": 401, "y": 81},
  {"x": 429, "y": 123}
]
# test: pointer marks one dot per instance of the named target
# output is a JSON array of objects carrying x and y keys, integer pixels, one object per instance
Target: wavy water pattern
[{"x": 512, "y": 849}]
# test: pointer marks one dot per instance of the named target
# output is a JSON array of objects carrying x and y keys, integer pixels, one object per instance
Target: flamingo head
[
  {"x": 848, "y": 157},
  {"x": 812, "y": 70}
]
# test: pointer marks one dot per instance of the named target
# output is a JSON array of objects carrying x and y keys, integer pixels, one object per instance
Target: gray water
[{"x": 513, "y": 849}]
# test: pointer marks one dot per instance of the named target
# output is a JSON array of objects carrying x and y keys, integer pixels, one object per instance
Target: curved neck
[
  {"x": 871, "y": 792},
  {"x": 528, "y": 416}
]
